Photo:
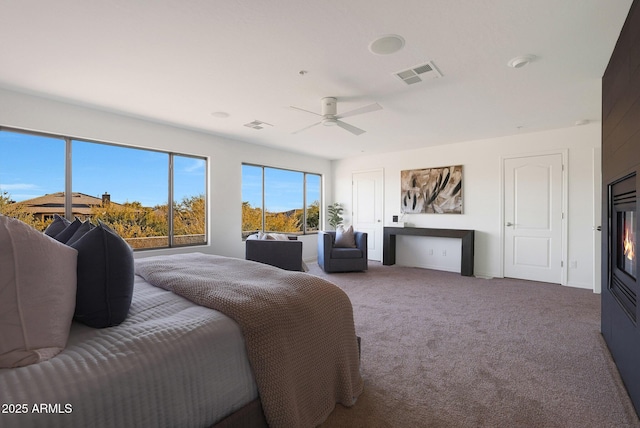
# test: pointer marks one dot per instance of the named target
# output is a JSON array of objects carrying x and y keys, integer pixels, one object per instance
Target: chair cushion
[
  {"x": 345, "y": 237},
  {"x": 270, "y": 237},
  {"x": 346, "y": 253}
]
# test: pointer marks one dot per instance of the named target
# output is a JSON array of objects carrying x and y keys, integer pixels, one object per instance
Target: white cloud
[
  {"x": 18, "y": 186},
  {"x": 21, "y": 191},
  {"x": 196, "y": 165}
]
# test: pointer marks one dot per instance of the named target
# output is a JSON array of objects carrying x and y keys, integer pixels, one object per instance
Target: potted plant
[{"x": 335, "y": 214}]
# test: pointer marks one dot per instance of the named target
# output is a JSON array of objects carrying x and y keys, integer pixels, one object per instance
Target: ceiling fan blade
[
  {"x": 306, "y": 127},
  {"x": 306, "y": 111},
  {"x": 361, "y": 110},
  {"x": 354, "y": 130}
]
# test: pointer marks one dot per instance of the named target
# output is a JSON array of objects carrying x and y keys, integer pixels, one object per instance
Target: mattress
[{"x": 170, "y": 363}]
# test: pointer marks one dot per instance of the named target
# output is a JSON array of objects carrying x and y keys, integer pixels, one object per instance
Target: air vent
[
  {"x": 418, "y": 73},
  {"x": 257, "y": 124}
]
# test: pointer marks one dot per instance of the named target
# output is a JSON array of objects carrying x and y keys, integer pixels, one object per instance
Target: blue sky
[{"x": 32, "y": 166}]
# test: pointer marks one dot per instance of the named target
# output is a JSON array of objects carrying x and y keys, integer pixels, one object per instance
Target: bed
[{"x": 178, "y": 361}]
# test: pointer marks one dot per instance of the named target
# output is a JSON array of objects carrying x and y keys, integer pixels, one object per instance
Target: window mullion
[
  {"x": 68, "y": 184},
  {"x": 263, "y": 201},
  {"x": 304, "y": 204},
  {"x": 170, "y": 212}
]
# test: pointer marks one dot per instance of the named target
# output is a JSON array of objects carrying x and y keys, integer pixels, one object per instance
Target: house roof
[
  {"x": 217, "y": 66},
  {"x": 53, "y": 203}
]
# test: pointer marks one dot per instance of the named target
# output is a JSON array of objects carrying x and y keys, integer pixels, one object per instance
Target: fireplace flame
[{"x": 629, "y": 246}]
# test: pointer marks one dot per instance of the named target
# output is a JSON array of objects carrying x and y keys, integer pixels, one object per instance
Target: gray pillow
[
  {"x": 345, "y": 237},
  {"x": 38, "y": 289}
]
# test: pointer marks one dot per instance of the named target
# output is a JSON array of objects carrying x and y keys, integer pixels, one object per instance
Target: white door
[
  {"x": 533, "y": 218},
  {"x": 367, "y": 209}
]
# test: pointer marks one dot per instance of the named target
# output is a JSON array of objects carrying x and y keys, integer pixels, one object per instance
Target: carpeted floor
[{"x": 442, "y": 350}]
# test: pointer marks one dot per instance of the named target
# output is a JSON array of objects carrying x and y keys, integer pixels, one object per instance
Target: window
[
  {"x": 279, "y": 200},
  {"x": 128, "y": 189},
  {"x": 189, "y": 202},
  {"x": 32, "y": 169}
]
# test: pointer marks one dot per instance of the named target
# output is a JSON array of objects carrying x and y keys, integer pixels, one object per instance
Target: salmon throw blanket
[{"x": 298, "y": 329}]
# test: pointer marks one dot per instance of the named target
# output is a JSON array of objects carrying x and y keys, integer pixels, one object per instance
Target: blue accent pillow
[
  {"x": 80, "y": 232},
  {"x": 105, "y": 278},
  {"x": 68, "y": 231},
  {"x": 58, "y": 225}
]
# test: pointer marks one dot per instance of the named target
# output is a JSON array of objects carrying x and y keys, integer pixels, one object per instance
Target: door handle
[
  {"x": 509, "y": 224},
  {"x": 598, "y": 228}
]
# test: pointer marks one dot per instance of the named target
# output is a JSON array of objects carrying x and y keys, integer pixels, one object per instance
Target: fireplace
[
  {"x": 627, "y": 243},
  {"x": 622, "y": 243}
]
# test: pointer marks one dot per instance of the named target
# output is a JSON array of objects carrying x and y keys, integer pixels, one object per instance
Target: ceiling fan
[{"x": 331, "y": 118}]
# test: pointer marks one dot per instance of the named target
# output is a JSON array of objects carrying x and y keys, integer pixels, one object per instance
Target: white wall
[
  {"x": 482, "y": 172},
  {"x": 225, "y": 157},
  {"x": 482, "y": 161}
]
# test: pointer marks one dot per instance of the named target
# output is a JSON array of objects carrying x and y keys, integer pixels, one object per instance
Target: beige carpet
[{"x": 442, "y": 350}]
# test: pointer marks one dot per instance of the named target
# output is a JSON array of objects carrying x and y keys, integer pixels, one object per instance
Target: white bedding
[{"x": 171, "y": 363}]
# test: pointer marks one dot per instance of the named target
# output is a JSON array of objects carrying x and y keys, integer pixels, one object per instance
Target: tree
[
  {"x": 289, "y": 221},
  {"x": 132, "y": 220},
  {"x": 251, "y": 218},
  {"x": 313, "y": 216},
  {"x": 282, "y": 222},
  {"x": 13, "y": 209},
  {"x": 189, "y": 216}
]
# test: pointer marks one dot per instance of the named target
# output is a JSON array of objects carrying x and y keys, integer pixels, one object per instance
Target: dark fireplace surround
[{"x": 620, "y": 184}]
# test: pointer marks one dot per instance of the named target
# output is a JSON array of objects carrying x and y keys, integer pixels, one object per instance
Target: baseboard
[
  {"x": 580, "y": 285},
  {"x": 433, "y": 267}
]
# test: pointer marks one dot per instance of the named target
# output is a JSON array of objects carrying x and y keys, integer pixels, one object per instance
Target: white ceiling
[{"x": 179, "y": 61}]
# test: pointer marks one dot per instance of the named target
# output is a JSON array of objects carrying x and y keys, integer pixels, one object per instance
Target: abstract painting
[{"x": 432, "y": 190}]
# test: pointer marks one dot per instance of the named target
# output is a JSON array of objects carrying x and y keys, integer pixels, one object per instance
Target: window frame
[
  {"x": 305, "y": 204},
  {"x": 68, "y": 185}
]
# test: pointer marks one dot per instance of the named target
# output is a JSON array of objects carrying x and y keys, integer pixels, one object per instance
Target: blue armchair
[{"x": 337, "y": 259}]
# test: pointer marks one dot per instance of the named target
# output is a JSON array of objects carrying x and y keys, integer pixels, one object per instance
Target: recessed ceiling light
[
  {"x": 520, "y": 61},
  {"x": 220, "y": 114},
  {"x": 386, "y": 45}
]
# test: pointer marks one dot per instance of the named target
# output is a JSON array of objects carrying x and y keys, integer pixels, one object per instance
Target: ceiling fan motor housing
[{"x": 329, "y": 106}]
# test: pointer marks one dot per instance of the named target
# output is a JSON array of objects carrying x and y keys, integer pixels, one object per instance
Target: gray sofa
[
  {"x": 283, "y": 254},
  {"x": 332, "y": 259}
]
